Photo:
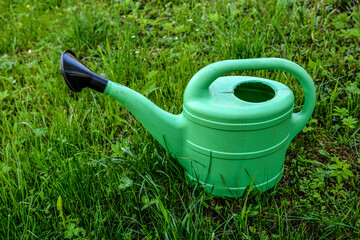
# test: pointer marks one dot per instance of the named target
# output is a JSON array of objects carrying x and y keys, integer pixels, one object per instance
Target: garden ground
[{"x": 79, "y": 166}]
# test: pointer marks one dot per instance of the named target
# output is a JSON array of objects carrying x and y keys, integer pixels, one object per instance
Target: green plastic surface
[{"x": 234, "y": 131}]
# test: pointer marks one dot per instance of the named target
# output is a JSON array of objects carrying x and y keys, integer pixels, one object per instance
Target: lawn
[{"x": 80, "y": 166}]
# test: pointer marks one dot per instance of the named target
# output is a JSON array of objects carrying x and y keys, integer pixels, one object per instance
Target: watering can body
[
  {"x": 235, "y": 143},
  {"x": 233, "y": 132}
]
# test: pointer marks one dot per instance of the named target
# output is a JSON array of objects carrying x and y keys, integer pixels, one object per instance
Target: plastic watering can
[{"x": 233, "y": 132}]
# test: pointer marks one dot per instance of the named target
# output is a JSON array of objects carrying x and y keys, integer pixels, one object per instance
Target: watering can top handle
[{"x": 203, "y": 79}]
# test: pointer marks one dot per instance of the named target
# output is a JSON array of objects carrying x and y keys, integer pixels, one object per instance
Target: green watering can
[{"x": 233, "y": 131}]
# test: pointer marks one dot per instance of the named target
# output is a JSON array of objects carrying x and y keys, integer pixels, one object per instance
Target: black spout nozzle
[{"x": 77, "y": 75}]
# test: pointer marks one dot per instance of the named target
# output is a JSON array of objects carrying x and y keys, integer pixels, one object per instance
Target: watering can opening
[{"x": 255, "y": 92}]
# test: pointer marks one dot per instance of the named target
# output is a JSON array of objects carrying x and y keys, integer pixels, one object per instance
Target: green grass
[{"x": 114, "y": 180}]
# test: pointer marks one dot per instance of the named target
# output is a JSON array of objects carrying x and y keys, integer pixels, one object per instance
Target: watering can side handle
[{"x": 203, "y": 79}]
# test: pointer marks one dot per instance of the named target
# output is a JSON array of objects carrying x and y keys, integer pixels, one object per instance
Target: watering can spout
[
  {"x": 77, "y": 76},
  {"x": 165, "y": 127}
]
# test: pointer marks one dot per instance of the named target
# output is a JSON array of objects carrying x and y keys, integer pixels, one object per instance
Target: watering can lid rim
[{"x": 222, "y": 109}]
